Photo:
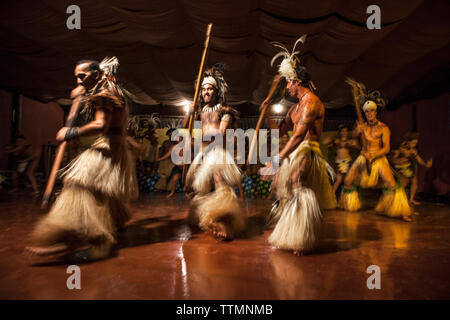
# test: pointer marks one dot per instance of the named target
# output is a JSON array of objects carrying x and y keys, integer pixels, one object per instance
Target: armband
[
  {"x": 71, "y": 133},
  {"x": 277, "y": 159}
]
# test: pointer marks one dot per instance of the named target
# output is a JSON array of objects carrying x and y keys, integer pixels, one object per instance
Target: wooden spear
[
  {"x": 197, "y": 91},
  {"x": 275, "y": 83},
  {"x": 59, "y": 156}
]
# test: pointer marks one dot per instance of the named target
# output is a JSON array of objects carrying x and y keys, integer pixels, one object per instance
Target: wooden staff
[
  {"x": 355, "y": 91},
  {"x": 52, "y": 177},
  {"x": 60, "y": 153},
  {"x": 197, "y": 90},
  {"x": 275, "y": 83}
]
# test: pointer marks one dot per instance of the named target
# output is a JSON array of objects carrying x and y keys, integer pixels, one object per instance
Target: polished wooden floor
[{"x": 160, "y": 258}]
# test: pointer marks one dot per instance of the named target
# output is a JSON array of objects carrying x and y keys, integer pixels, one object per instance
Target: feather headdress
[
  {"x": 154, "y": 120},
  {"x": 290, "y": 67},
  {"x": 109, "y": 66},
  {"x": 214, "y": 76},
  {"x": 173, "y": 123},
  {"x": 368, "y": 99},
  {"x": 107, "y": 88}
]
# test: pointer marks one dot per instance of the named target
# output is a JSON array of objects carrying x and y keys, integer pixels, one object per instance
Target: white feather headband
[
  {"x": 287, "y": 67},
  {"x": 368, "y": 99},
  {"x": 109, "y": 66}
]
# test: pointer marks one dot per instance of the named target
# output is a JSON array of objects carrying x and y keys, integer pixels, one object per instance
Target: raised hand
[
  {"x": 264, "y": 103},
  {"x": 78, "y": 91}
]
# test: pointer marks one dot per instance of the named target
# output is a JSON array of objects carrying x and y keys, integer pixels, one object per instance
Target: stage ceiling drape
[{"x": 159, "y": 45}]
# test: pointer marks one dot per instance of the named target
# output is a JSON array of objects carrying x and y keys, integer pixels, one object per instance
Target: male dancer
[
  {"x": 98, "y": 183},
  {"x": 371, "y": 168},
  {"x": 87, "y": 73},
  {"x": 213, "y": 173},
  {"x": 302, "y": 183}
]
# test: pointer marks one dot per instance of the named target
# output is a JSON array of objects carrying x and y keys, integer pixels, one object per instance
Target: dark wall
[
  {"x": 39, "y": 123},
  {"x": 433, "y": 123},
  {"x": 5, "y": 126}
]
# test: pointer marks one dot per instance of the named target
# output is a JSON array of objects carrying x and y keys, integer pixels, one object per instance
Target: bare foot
[
  {"x": 211, "y": 230},
  {"x": 220, "y": 231},
  {"x": 298, "y": 253},
  {"x": 169, "y": 195},
  {"x": 415, "y": 202},
  {"x": 189, "y": 195},
  {"x": 46, "y": 251},
  {"x": 406, "y": 218}
]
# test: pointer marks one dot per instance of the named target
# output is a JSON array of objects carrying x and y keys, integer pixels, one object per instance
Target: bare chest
[
  {"x": 342, "y": 143},
  {"x": 296, "y": 113},
  {"x": 210, "y": 117},
  {"x": 373, "y": 133}
]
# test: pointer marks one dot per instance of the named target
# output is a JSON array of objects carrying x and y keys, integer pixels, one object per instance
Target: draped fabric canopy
[{"x": 159, "y": 45}]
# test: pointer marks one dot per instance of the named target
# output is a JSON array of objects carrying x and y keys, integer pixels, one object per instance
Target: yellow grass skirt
[
  {"x": 392, "y": 203},
  {"x": 298, "y": 214},
  {"x": 316, "y": 177}
]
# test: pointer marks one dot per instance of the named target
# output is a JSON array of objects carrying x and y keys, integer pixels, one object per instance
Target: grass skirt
[
  {"x": 349, "y": 199},
  {"x": 92, "y": 205},
  {"x": 215, "y": 161},
  {"x": 392, "y": 203},
  {"x": 299, "y": 221},
  {"x": 219, "y": 205},
  {"x": 297, "y": 216},
  {"x": 316, "y": 177},
  {"x": 211, "y": 204}
]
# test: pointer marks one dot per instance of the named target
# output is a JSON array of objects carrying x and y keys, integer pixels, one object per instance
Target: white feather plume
[
  {"x": 287, "y": 66},
  {"x": 286, "y": 69},
  {"x": 109, "y": 65}
]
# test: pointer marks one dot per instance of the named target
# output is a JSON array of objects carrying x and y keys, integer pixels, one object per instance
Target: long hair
[{"x": 217, "y": 71}]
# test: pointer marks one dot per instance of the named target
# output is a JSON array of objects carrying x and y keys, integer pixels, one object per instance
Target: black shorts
[{"x": 175, "y": 170}]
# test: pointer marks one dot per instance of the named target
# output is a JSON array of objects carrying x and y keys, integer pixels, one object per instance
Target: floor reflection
[{"x": 159, "y": 257}]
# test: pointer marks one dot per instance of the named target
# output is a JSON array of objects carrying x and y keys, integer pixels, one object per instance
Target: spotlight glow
[
  {"x": 278, "y": 108},
  {"x": 185, "y": 105}
]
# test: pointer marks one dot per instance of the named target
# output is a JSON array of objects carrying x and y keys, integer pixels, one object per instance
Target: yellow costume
[
  {"x": 406, "y": 165},
  {"x": 393, "y": 202},
  {"x": 298, "y": 213},
  {"x": 408, "y": 170},
  {"x": 343, "y": 165}
]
